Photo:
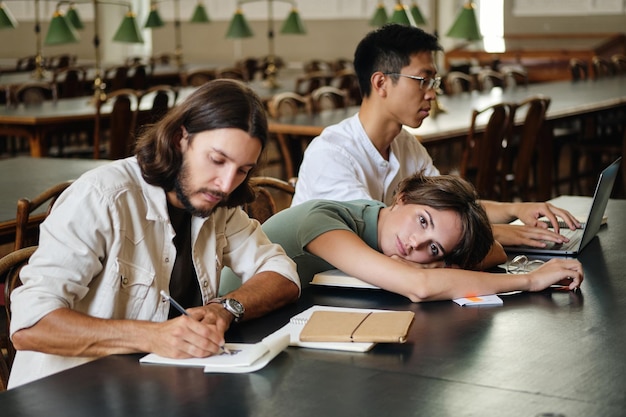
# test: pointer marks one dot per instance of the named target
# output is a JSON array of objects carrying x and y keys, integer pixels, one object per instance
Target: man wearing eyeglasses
[{"x": 368, "y": 154}]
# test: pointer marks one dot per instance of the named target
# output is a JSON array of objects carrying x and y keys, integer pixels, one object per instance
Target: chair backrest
[
  {"x": 457, "y": 82},
  {"x": 138, "y": 77},
  {"x": 521, "y": 163},
  {"x": 288, "y": 105},
  {"x": 231, "y": 73},
  {"x": 579, "y": 69},
  {"x": 317, "y": 65},
  {"x": 347, "y": 80},
  {"x": 272, "y": 195},
  {"x": 33, "y": 93},
  {"x": 602, "y": 67},
  {"x": 10, "y": 266},
  {"x": 488, "y": 78},
  {"x": 249, "y": 66},
  {"x": 514, "y": 77},
  {"x": 25, "y": 207},
  {"x": 312, "y": 81},
  {"x": 163, "y": 98},
  {"x": 198, "y": 77},
  {"x": 61, "y": 61},
  {"x": 619, "y": 64},
  {"x": 482, "y": 152},
  {"x": 328, "y": 97},
  {"x": 70, "y": 81},
  {"x": 27, "y": 63},
  {"x": 116, "y": 78},
  {"x": 122, "y": 119}
]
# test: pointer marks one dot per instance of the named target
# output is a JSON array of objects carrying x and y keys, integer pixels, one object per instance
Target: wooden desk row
[
  {"x": 569, "y": 100},
  {"x": 554, "y": 353}
]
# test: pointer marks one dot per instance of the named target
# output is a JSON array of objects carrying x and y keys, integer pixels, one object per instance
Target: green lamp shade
[
  {"x": 417, "y": 15},
  {"x": 400, "y": 15},
  {"x": 128, "y": 31},
  {"x": 60, "y": 31},
  {"x": 154, "y": 19},
  {"x": 293, "y": 24},
  {"x": 465, "y": 26},
  {"x": 239, "y": 27},
  {"x": 200, "y": 15},
  {"x": 73, "y": 17},
  {"x": 7, "y": 21},
  {"x": 380, "y": 16}
]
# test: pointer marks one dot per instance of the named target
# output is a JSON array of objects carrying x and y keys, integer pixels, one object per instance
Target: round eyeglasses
[{"x": 425, "y": 83}]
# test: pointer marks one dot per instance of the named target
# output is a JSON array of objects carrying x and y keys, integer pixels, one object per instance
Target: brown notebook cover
[{"x": 334, "y": 326}]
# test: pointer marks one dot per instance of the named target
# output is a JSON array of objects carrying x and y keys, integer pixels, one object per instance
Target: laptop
[{"x": 579, "y": 238}]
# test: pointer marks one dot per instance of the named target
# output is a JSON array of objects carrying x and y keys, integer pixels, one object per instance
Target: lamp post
[
  {"x": 239, "y": 28},
  {"x": 128, "y": 32},
  {"x": 154, "y": 21}
]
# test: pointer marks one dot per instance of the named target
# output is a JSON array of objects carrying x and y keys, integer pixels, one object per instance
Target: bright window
[{"x": 491, "y": 22}]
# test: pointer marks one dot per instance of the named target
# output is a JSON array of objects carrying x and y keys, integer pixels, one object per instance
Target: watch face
[{"x": 234, "y": 307}]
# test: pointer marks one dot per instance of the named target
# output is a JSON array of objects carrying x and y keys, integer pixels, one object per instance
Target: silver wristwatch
[{"x": 231, "y": 305}]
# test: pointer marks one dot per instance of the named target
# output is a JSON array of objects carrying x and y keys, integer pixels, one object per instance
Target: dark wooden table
[
  {"x": 554, "y": 353},
  {"x": 28, "y": 177}
]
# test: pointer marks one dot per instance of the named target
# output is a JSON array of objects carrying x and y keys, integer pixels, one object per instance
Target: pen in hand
[{"x": 180, "y": 308}]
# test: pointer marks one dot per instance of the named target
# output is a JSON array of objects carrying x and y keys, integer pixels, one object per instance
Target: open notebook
[{"x": 579, "y": 238}]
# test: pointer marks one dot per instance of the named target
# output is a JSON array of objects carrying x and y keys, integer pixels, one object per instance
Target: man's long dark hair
[{"x": 218, "y": 104}]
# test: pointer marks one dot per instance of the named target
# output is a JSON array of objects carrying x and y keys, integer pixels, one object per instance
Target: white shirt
[
  {"x": 343, "y": 164},
  {"x": 106, "y": 250}
]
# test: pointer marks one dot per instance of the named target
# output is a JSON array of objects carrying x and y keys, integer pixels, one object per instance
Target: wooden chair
[
  {"x": 272, "y": 195},
  {"x": 347, "y": 80},
  {"x": 33, "y": 93},
  {"x": 116, "y": 78},
  {"x": 163, "y": 98},
  {"x": 312, "y": 81},
  {"x": 70, "y": 82},
  {"x": 482, "y": 152},
  {"x": 61, "y": 61},
  {"x": 317, "y": 65},
  {"x": 161, "y": 59},
  {"x": 522, "y": 151},
  {"x": 457, "y": 82},
  {"x": 515, "y": 77},
  {"x": 25, "y": 207},
  {"x": 198, "y": 77},
  {"x": 27, "y": 63},
  {"x": 10, "y": 266},
  {"x": 138, "y": 77},
  {"x": 601, "y": 67},
  {"x": 289, "y": 105},
  {"x": 488, "y": 78},
  {"x": 619, "y": 64},
  {"x": 579, "y": 69},
  {"x": 119, "y": 139},
  {"x": 328, "y": 97},
  {"x": 249, "y": 66},
  {"x": 231, "y": 73}
]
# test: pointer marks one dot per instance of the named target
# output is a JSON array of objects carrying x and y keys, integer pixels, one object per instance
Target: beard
[{"x": 184, "y": 193}]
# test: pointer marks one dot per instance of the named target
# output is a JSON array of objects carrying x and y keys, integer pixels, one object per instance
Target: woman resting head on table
[{"x": 433, "y": 222}]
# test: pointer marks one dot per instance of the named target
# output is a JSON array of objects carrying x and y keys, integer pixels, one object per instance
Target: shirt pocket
[{"x": 134, "y": 285}]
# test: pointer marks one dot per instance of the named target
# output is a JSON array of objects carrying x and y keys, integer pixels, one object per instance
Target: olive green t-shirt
[{"x": 295, "y": 227}]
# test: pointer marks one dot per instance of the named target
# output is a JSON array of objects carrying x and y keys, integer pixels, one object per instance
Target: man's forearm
[{"x": 265, "y": 292}]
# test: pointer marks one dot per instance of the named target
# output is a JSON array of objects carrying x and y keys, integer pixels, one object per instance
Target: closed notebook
[{"x": 336, "y": 326}]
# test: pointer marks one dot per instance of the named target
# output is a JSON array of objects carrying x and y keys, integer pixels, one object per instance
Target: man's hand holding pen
[{"x": 198, "y": 332}]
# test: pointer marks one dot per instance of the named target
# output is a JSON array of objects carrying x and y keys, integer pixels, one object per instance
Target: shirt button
[
  {"x": 384, "y": 164},
  {"x": 205, "y": 283},
  {"x": 167, "y": 260},
  {"x": 124, "y": 280}
]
